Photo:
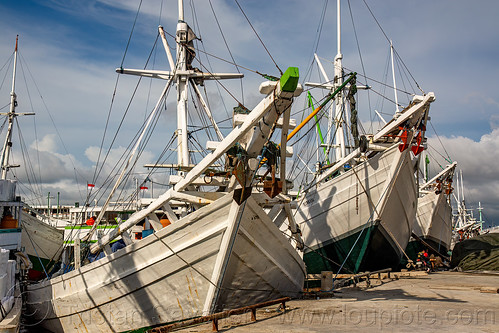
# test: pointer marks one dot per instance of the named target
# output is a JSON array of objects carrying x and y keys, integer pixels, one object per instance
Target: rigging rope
[
  {"x": 217, "y": 80},
  {"x": 131, "y": 34},
  {"x": 97, "y": 173},
  {"x": 228, "y": 49},
  {"x": 132, "y": 165},
  {"x": 388, "y": 39},
  {"x": 317, "y": 39},
  {"x": 247, "y": 19},
  {"x": 48, "y": 111},
  {"x": 381, "y": 83},
  {"x": 361, "y": 62},
  {"x": 33, "y": 183},
  {"x": 448, "y": 159},
  {"x": 109, "y": 180},
  {"x": 9, "y": 61},
  {"x": 199, "y": 41},
  {"x": 370, "y": 220},
  {"x": 290, "y": 237},
  {"x": 36, "y": 185}
]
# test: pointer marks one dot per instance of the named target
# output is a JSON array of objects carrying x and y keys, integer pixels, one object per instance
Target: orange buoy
[{"x": 165, "y": 222}]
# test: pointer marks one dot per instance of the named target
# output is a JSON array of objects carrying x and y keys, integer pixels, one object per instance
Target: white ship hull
[
  {"x": 221, "y": 256},
  {"x": 42, "y": 242},
  {"x": 434, "y": 221},
  {"x": 372, "y": 206}
]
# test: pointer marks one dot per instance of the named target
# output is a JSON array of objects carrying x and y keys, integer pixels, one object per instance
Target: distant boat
[
  {"x": 358, "y": 212},
  {"x": 221, "y": 250},
  {"x": 43, "y": 242},
  {"x": 490, "y": 230},
  {"x": 464, "y": 225},
  {"x": 433, "y": 227}
]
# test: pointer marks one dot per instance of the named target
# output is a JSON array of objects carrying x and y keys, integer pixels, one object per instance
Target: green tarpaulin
[{"x": 478, "y": 253}]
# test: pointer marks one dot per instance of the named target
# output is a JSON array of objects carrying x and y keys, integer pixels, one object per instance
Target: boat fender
[
  {"x": 417, "y": 149},
  {"x": 403, "y": 137}
]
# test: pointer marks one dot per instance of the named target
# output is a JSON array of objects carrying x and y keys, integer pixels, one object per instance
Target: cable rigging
[
  {"x": 318, "y": 36},
  {"x": 97, "y": 173},
  {"x": 98, "y": 170},
  {"x": 388, "y": 39},
  {"x": 263, "y": 44},
  {"x": 228, "y": 49},
  {"x": 25, "y": 69},
  {"x": 361, "y": 61}
]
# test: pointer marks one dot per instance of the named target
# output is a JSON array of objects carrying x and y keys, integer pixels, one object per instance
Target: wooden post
[
  {"x": 253, "y": 314},
  {"x": 326, "y": 280},
  {"x": 283, "y": 306},
  {"x": 77, "y": 252}
]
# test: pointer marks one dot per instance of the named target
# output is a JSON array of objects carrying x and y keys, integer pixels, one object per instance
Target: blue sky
[{"x": 73, "y": 47}]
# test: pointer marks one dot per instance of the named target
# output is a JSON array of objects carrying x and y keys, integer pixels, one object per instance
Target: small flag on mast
[{"x": 90, "y": 185}]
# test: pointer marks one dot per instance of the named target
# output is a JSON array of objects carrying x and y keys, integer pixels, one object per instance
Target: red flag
[
  {"x": 91, "y": 185},
  {"x": 143, "y": 187}
]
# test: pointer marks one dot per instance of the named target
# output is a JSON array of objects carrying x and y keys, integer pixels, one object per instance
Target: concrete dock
[{"x": 441, "y": 301}]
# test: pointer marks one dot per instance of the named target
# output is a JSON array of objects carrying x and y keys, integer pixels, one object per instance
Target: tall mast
[
  {"x": 180, "y": 10},
  {"x": 7, "y": 146},
  {"x": 462, "y": 186},
  {"x": 182, "y": 85},
  {"x": 397, "y": 110},
  {"x": 181, "y": 72},
  {"x": 463, "y": 202},
  {"x": 480, "y": 215},
  {"x": 340, "y": 117},
  {"x": 338, "y": 81}
]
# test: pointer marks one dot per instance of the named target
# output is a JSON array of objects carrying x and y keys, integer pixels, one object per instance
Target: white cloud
[
  {"x": 475, "y": 156},
  {"x": 478, "y": 162},
  {"x": 44, "y": 171},
  {"x": 494, "y": 121},
  {"x": 116, "y": 156},
  {"x": 47, "y": 143}
]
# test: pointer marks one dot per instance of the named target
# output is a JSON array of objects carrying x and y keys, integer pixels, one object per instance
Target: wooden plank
[{"x": 489, "y": 290}]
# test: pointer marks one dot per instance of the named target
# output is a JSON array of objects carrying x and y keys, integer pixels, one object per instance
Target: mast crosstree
[
  {"x": 183, "y": 73},
  {"x": 7, "y": 146}
]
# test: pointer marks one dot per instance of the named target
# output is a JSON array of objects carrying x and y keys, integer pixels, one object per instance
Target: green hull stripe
[
  {"x": 363, "y": 249},
  {"x": 8, "y": 231},
  {"x": 90, "y": 227},
  {"x": 36, "y": 263},
  {"x": 90, "y": 241},
  {"x": 337, "y": 251}
]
